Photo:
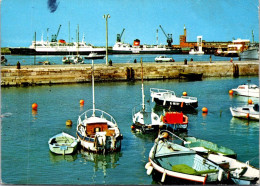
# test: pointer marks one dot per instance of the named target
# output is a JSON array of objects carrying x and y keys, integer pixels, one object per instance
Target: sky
[{"x": 214, "y": 20}]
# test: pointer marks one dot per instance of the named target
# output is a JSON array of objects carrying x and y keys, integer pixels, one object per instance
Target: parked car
[{"x": 164, "y": 59}]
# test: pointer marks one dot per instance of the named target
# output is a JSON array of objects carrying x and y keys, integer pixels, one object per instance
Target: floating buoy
[
  {"x": 68, "y": 122},
  {"x": 250, "y": 101},
  {"x": 204, "y": 110},
  {"x": 81, "y": 102},
  {"x": 34, "y": 106},
  {"x": 231, "y": 92},
  {"x": 184, "y": 94},
  {"x": 132, "y": 126}
]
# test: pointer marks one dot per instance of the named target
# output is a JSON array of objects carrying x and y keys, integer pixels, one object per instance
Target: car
[{"x": 164, "y": 59}]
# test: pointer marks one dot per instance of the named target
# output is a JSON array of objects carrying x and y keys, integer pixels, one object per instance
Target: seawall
[{"x": 58, "y": 74}]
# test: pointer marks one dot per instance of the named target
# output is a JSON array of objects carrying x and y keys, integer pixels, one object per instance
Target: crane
[
  {"x": 168, "y": 36},
  {"x": 54, "y": 37},
  {"x": 119, "y": 36}
]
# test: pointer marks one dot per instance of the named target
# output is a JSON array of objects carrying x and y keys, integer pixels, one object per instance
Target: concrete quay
[{"x": 60, "y": 74}]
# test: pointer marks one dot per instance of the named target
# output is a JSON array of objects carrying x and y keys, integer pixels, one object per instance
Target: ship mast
[
  {"x": 143, "y": 105},
  {"x": 93, "y": 90}
]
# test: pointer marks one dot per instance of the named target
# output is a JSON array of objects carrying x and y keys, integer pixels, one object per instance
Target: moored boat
[
  {"x": 145, "y": 120},
  {"x": 173, "y": 163},
  {"x": 97, "y": 130},
  {"x": 248, "y": 89},
  {"x": 204, "y": 147},
  {"x": 175, "y": 121},
  {"x": 94, "y": 56},
  {"x": 77, "y": 59},
  {"x": 246, "y": 112},
  {"x": 63, "y": 144},
  {"x": 252, "y": 53},
  {"x": 241, "y": 173},
  {"x": 168, "y": 98}
]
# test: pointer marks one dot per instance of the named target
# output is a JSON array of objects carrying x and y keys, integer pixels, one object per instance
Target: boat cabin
[
  {"x": 175, "y": 118},
  {"x": 93, "y": 128}
]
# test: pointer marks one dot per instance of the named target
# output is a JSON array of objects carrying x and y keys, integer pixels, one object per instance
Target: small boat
[
  {"x": 94, "y": 56},
  {"x": 168, "y": 98},
  {"x": 204, "y": 147},
  {"x": 97, "y": 130},
  {"x": 191, "y": 76},
  {"x": 73, "y": 60},
  {"x": 145, "y": 120},
  {"x": 175, "y": 121},
  {"x": 248, "y": 89},
  {"x": 164, "y": 58},
  {"x": 246, "y": 112},
  {"x": 252, "y": 53},
  {"x": 241, "y": 173},
  {"x": 173, "y": 163},
  {"x": 63, "y": 143},
  {"x": 3, "y": 60},
  {"x": 196, "y": 52}
]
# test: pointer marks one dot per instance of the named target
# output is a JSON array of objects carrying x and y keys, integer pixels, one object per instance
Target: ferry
[{"x": 60, "y": 47}]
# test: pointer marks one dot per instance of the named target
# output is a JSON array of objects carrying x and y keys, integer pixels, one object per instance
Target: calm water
[
  {"x": 30, "y": 60},
  {"x": 25, "y": 154}
]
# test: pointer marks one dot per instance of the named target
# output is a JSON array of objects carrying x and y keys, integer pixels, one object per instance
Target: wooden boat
[
  {"x": 94, "y": 56},
  {"x": 175, "y": 121},
  {"x": 191, "y": 76},
  {"x": 248, "y": 89},
  {"x": 145, "y": 120},
  {"x": 63, "y": 143},
  {"x": 167, "y": 98},
  {"x": 173, "y": 163},
  {"x": 204, "y": 147},
  {"x": 241, "y": 173},
  {"x": 97, "y": 130},
  {"x": 246, "y": 112}
]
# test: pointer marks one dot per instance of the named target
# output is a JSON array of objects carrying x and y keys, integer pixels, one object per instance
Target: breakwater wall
[{"x": 58, "y": 74}]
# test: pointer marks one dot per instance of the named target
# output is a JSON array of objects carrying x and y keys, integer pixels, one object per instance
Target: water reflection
[
  {"x": 101, "y": 162},
  {"x": 55, "y": 158}
]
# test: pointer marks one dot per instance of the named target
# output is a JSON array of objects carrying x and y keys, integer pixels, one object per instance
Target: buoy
[
  {"x": 81, "y": 102},
  {"x": 184, "y": 94},
  {"x": 230, "y": 92},
  {"x": 68, "y": 122},
  {"x": 132, "y": 126},
  {"x": 34, "y": 106},
  {"x": 250, "y": 101},
  {"x": 204, "y": 110}
]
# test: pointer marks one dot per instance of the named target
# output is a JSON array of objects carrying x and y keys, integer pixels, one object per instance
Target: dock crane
[
  {"x": 54, "y": 36},
  {"x": 119, "y": 36},
  {"x": 168, "y": 36}
]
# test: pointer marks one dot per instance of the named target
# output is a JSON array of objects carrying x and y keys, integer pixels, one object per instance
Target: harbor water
[
  {"x": 26, "y": 158},
  {"x": 37, "y": 60}
]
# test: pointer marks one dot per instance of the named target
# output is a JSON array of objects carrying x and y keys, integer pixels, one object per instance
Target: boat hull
[
  {"x": 244, "y": 115},
  {"x": 177, "y": 105},
  {"x": 251, "y": 93},
  {"x": 250, "y": 54}
]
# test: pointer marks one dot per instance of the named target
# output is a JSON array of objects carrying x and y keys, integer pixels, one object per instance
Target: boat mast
[
  {"x": 93, "y": 90},
  {"x": 143, "y": 105}
]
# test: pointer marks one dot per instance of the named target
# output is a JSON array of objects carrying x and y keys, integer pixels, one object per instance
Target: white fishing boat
[
  {"x": 63, "y": 143},
  {"x": 168, "y": 98},
  {"x": 246, "y": 112},
  {"x": 145, "y": 120},
  {"x": 241, "y": 173},
  {"x": 248, "y": 89},
  {"x": 97, "y": 130},
  {"x": 94, "y": 56},
  {"x": 173, "y": 163}
]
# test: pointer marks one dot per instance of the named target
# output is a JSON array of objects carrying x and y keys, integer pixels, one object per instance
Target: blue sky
[{"x": 215, "y": 20}]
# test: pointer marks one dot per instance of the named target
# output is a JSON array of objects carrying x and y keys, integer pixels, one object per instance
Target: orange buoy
[
  {"x": 69, "y": 123},
  {"x": 132, "y": 126},
  {"x": 250, "y": 101},
  {"x": 34, "y": 106},
  {"x": 82, "y": 102},
  {"x": 204, "y": 110},
  {"x": 184, "y": 94},
  {"x": 231, "y": 92}
]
